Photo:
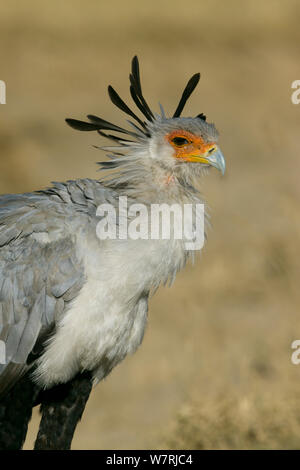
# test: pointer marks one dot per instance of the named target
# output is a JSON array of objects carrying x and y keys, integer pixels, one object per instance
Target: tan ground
[{"x": 214, "y": 370}]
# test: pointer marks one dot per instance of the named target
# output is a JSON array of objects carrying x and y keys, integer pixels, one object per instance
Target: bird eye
[{"x": 180, "y": 141}]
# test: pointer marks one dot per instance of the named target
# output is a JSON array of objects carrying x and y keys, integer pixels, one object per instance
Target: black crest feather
[
  {"x": 190, "y": 87},
  {"x": 136, "y": 90},
  {"x": 81, "y": 125},
  {"x": 102, "y": 124},
  {"x": 117, "y": 101},
  {"x": 201, "y": 116},
  {"x": 98, "y": 124}
]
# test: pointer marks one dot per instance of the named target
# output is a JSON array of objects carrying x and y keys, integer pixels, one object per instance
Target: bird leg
[
  {"x": 15, "y": 413},
  {"x": 62, "y": 408}
]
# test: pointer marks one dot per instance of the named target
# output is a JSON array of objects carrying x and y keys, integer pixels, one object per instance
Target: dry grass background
[{"x": 214, "y": 370}]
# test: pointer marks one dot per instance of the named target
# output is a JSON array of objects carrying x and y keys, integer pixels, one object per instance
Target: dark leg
[
  {"x": 15, "y": 414},
  {"x": 61, "y": 408}
]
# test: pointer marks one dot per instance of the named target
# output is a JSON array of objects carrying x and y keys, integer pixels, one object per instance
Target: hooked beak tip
[{"x": 217, "y": 160}]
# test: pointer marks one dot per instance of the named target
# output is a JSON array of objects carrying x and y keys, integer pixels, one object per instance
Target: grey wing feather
[{"x": 37, "y": 280}]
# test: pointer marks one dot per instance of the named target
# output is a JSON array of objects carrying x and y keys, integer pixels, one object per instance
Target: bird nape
[{"x": 73, "y": 296}]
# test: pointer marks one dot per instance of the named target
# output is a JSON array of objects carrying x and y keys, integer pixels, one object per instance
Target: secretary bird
[{"x": 74, "y": 305}]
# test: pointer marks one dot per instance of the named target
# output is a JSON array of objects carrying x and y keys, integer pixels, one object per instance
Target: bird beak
[
  {"x": 211, "y": 156},
  {"x": 216, "y": 159}
]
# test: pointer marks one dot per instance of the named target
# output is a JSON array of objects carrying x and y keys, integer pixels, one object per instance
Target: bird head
[
  {"x": 169, "y": 149},
  {"x": 185, "y": 144}
]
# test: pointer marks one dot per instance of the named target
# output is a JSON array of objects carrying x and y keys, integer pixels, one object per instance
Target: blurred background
[{"x": 214, "y": 370}]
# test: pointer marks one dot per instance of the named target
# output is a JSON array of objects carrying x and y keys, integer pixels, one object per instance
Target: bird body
[
  {"x": 94, "y": 294},
  {"x": 69, "y": 301}
]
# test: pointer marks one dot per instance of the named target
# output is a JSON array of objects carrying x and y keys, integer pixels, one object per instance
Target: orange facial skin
[{"x": 192, "y": 149}]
